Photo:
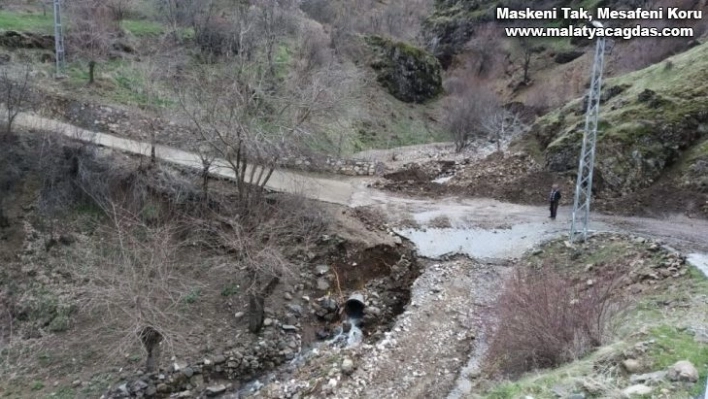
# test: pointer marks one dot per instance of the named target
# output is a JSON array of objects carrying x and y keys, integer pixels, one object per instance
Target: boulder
[
  {"x": 683, "y": 371},
  {"x": 637, "y": 390},
  {"x": 451, "y": 25},
  {"x": 410, "y": 74},
  {"x": 565, "y": 57},
  {"x": 632, "y": 366}
]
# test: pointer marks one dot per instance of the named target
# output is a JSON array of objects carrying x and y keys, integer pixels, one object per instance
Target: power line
[{"x": 583, "y": 187}]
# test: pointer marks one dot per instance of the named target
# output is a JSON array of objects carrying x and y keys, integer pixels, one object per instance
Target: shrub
[{"x": 545, "y": 319}]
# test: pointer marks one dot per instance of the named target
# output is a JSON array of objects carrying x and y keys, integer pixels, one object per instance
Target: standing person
[{"x": 554, "y": 199}]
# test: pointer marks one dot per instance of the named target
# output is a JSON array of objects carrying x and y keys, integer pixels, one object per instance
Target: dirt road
[
  {"x": 480, "y": 227},
  {"x": 426, "y": 352}
]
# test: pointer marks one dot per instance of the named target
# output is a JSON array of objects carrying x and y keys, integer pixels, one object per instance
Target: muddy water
[
  {"x": 480, "y": 243},
  {"x": 700, "y": 261}
]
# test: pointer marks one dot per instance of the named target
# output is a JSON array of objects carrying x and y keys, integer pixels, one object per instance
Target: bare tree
[
  {"x": 136, "y": 293},
  {"x": 15, "y": 94},
  {"x": 502, "y": 125},
  {"x": 465, "y": 114},
  {"x": 249, "y": 122},
  {"x": 93, "y": 32}
]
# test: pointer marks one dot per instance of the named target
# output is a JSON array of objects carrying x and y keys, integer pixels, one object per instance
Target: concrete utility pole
[
  {"x": 59, "y": 40},
  {"x": 583, "y": 187}
]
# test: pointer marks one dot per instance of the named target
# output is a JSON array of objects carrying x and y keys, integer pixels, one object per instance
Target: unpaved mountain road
[
  {"x": 430, "y": 352},
  {"x": 494, "y": 229}
]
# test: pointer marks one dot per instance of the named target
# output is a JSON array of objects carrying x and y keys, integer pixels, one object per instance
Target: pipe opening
[{"x": 354, "y": 306}]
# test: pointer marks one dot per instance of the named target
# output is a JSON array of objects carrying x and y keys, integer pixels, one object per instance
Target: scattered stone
[
  {"x": 683, "y": 370},
  {"x": 578, "y": 395},
  {"x": 239, "y": 315},
  {"x": 139, "y": 385},
  {"x": 150, "y": 391},
  {"x": 288, "y": 296},
  {"x": 289, "y": 328},
  {"x": 76, "y": 383},
  {"x": 592, "y": 387},
  {"x": 639, "y": 389},
  {"x": 215, "y": 390},
  {"x": 297, "y": 309},
  {"x": 267, "y": 322},
  {"x": 321, "y": 270},
  {"x": 650, "y": 378},
  {"x": 322, "y": 284},
  {"x": 632, "y": 366},
  {"x": 347, "y": 366},
  {"x": 188, "y": 372},
  {"x": 346, "y": 327},
  {"x": 177, "y": 366}
]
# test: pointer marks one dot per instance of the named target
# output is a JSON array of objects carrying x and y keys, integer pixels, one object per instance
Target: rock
[
  {"x": 632, "y": 366},
  {"x": 321, "y": 270},
  {"x": 346, "y": 327},
  {"x": 560, "y": 391},
  {"x": 650, "y": 378},
  {"x": 565, "y": 57},
  {"x": 296, "y": 309},
  {"x": 329, "y": 304},
  {"x": 639, "y": 389},
  {"x": 578, "y": 395},
  {"x": 373, "y": 310},
  {"x": 139, "y": 385},
  {"x": 397, "y": 240},
  {"x": 215, "y": 390},
  {"x": 322, "y": 284},
  {"x": 76, "y": 383},
  {"x": 289, "y": 328},
  {"x": 5, "y": 58},
  {"x": 219, "y": 359},
  {"x": 239, "y": 315},
  {"x": 188, "y": 372},
  {"x": 288, "y": 296},
  {"x": 322, "y": 335},
  {"x": 267, "y": 322},
  {"x": 683, "y": 370},
  {"x": 150, "y": 391},
  {"x": 592, "y": 387},
  {"x": 410, "y": 74},
  {"x": 123, "y": 389},
  {"x": 162, "y": 388},
  {"x": 347, "y": 366},
  {"x": 177, "y": 366}
]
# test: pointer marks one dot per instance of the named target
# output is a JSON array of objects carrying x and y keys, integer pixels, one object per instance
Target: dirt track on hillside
[{"x": 682, "y": 232}]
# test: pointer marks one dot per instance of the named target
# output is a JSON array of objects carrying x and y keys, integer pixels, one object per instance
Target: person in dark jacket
[{"x": 554, "y": 199}]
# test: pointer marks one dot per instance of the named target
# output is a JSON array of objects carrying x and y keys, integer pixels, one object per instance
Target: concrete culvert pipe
[{"x": 354, "y": 306}]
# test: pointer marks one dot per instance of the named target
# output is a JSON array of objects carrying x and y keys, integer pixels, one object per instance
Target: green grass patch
[
  {"x": 117, "y": 81},
  {"x": 674, "y": 344},
  {"x": 230, "y": 290},
  {"x": 143, "y": 27},
  {"x": 193, "y": 296},
  {"x": 62, "y": 393},
  {"x": 26, "y": 22}
]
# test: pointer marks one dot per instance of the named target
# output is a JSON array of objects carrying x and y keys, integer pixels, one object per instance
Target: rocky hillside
[{"x": 653, "y": 126}]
